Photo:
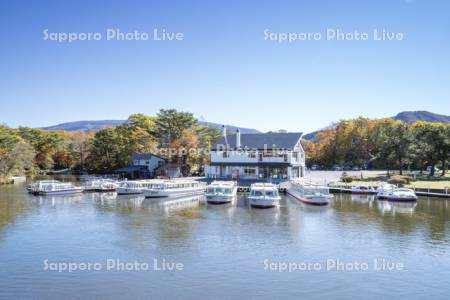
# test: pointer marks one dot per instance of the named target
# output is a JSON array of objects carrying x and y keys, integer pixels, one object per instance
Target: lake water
[{"x": 221, "y": 251}]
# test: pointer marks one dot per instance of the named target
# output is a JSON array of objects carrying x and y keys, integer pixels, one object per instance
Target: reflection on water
[
  {"x": 222, "y": 246},
  {"x": 169, "y": 205},
  {"x": 57, "y": 200},
  {"x": 388, "y": 207},
  {"x": 362, "y": 198}
]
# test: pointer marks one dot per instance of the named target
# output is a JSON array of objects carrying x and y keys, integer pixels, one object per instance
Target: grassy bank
[{"x": 420, "y": 181}]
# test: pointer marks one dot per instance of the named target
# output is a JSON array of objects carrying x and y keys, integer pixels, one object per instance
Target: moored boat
[
  {"x": 100, "y": 185},
  {"x": 219, "y": 192},
  {"x": 264, "y": 195},
  {"x": 363, "y": 190},
  {"x": 309, "y": 193},
  {"x": 130, "y": 188},
  {"x": 172, "y": 188},
  {"x": 53, "y": 187},
  {"x": 384, "y": 189},
  {"x": 401, "y": 195},
  {"x": 31, "y": 188}
]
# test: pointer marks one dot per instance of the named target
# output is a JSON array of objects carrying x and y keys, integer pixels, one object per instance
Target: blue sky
[{"x": 223, "y": 70}]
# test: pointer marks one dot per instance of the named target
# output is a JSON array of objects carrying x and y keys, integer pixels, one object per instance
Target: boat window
[
  {"x": 271, "y": 193},
  {"x": 257, "y": 193}
]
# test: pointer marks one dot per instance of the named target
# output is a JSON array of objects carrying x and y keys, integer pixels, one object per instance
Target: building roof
[
  {"x": 276, "y": 140},
  {"x": 137, "y": 156}
]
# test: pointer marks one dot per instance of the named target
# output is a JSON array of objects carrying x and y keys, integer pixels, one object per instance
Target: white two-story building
[{"x": 258, "y": 156}]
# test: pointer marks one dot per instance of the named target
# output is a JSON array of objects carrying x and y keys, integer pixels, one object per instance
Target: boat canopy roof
[
  {"x": 308, "y": 184},
  {"x": 403, "y": 190},
  {"x": 222, "y": 184},
  {"x": 263, "y": 186}
]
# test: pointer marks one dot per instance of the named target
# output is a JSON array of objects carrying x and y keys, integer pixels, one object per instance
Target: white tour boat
[
  {"x": 130, "y": 188},
  {"x": 172, "y": 188},
  {"x": 363, "y": 190},
  {"x": 401, "y": 195},
  {"x": 31, "y": 188},
  {"x": 309, "y": 193},
  {"x": 384, "y": 189},
  {"x": 264, "y": 195},
  {"x": 219, "y": 192},
  {"x": 100, "y": 185},
  {"x": 53, "y": 187}
]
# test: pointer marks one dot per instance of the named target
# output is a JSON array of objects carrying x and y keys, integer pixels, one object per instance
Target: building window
[
  {"x": 295, "y": 172},
  {"x": 268, "y": 153},
  {"x": 250, "y": 172},
  {"x": 295, "y": 155},
  {"x": 252, "y": 154},
  {"x": 225, "y": 154}
]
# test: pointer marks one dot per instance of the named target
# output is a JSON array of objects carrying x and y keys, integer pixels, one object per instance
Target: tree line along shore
[
  {"x": 30, "y": 151},
  {"x": 371, "y": 143},
  {"x": 384, "y": 144}
]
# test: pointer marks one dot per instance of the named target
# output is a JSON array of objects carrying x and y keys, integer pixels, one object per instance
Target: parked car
[
  {"x": 315, "y": 167},
  {"x": 337, "y": 168},
  {"x": 356, "y": 168},
  {"x": 435, "y": 169}
]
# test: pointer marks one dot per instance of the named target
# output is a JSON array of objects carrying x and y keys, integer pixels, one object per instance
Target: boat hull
[
  {"x": 263, "y": 203},
  {"x": 105, "y": 190},
  {"x": 99, "y": 190},
  {"x": 123, "y": 191},
  {"x": 364, "y": 192},
  {"x": 173, "y": 193},
  {"x": 262, "y": 206},
  {"x": 318, "y": 201},
  {"x": 398, "y": 199},
  {"x": 60, "y": 192},
  {"x": 215, "y": 199}
]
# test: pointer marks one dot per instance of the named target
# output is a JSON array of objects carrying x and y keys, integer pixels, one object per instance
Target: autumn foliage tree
[{"x": 382, "y": 143}]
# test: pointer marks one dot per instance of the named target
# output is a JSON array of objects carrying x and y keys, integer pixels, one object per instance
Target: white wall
[{"x": 238, "y": 157}]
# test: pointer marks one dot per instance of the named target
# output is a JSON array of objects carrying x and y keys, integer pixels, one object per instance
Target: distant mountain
[
  {"x": 230, "y": 128},
  {"x": 414, "y": 116},
  {"x": 85, "y": 125},
  {"x": 312, "y": 136},
  {"x": 404, "y": 116},
  {"x": 98, "y": 125}
]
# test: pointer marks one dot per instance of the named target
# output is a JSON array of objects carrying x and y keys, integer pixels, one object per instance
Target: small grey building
[
  {"x": 151, "y": 161},
  {"x": 144, "y": 165}
]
